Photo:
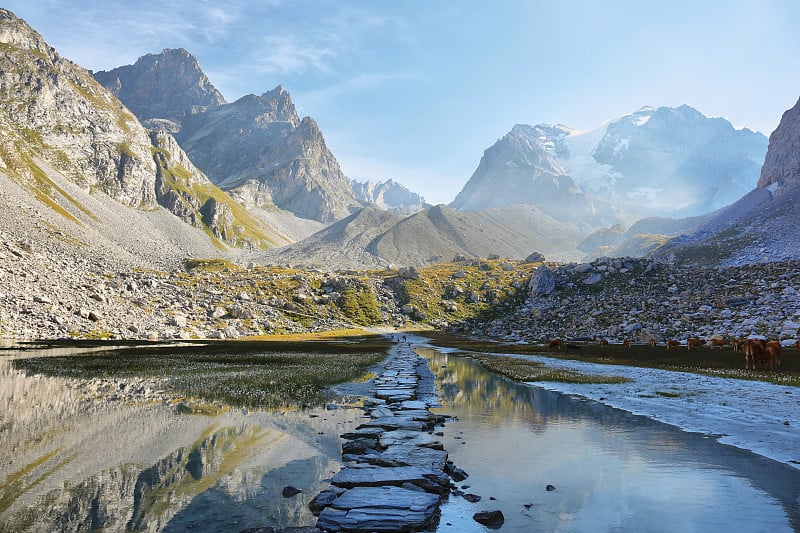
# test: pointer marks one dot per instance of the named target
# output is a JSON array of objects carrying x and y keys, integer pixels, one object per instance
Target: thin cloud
[{"x": 287, "y": 54}]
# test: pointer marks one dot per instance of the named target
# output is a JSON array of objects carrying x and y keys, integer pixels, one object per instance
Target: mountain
[
  {"x": 763, "y": 225},
  {"x": 667, "y": 162},
  {"x": 162, "y": 85},
  {"x": 523, "y": 168},
  {"x": 72, "y": 150},
  {"x": 257, "y": 148},
  {"x": 388, "y": 195},
  {"x": 373, "y": 238}
]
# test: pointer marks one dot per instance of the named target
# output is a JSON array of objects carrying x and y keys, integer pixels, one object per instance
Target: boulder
[{"x": 542, "y": 282}]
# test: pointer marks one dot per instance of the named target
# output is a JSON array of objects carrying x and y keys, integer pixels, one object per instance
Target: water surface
[
  {"x": 612, "y": 471},
  {"x": 82, "y": 455}
]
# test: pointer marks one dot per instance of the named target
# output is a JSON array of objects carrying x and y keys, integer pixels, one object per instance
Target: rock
[
  {"x": 542, "y": 282},
  {"x": 324, "y": 499},
  {"x": 535, "y": 257},
  {"x": 230, "y": 332},
  {"x": 490, "y": 518},
  {"x": 472, "y": 498},
  {"x": 289, "y": 491},
  {"x": 550, "y": 488},
  {"x": 594, "y": 278},
  {"x": 379, "y": 509}
]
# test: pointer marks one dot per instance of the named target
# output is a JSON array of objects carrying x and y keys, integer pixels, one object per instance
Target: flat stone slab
[
  {"x": 364, "y": 432},
  {"x": 391, "y": 423},
  {"x": 414, "y": 404},
  {"x": 377, "y": 476},
  {"x": 381, "y": 509},
  {"x": 412, "y": 438},
  {"x": 410, "y": 455}
]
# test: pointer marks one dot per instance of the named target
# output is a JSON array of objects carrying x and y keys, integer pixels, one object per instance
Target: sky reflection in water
[{"x": 613, "y": 471}]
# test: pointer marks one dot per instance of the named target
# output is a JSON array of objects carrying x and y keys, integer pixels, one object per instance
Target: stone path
[{"x": 396, "y": 471}]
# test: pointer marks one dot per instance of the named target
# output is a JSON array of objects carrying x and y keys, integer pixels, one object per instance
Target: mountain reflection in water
[
  {"x": 613, "y": 471},
  {"x": 69, "y": 462}
]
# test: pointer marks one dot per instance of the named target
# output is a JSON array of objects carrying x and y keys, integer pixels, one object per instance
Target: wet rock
[
  {"x": 379, "y": 509},
  {"x": 324, "y": 499},
  {"x": 472, "y": 498},
  {"x": 550, "y": 488},
  {"x": 489, "y": 518},
  {"x": 289, "y": 491}
]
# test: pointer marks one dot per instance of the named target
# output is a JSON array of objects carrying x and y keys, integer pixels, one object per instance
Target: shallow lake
[
  {"x": 74, "y": 456},
  {"x": 612, "y": 471}
]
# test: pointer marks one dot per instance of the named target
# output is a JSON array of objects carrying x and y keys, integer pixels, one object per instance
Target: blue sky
[{"x": 417, "y": 90}]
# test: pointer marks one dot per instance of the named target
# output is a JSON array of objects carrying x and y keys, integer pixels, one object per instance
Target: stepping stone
[
  {"x": 391, "y": 423},
  {"x": 363, "y": 432},
  {"x": 380, "y": 509},
  {"x": 376, "y": 476},
  {"x": 414, "y": 404},
  {"x": 411, "y": 455},
  {"x": 411, "y": 438}
]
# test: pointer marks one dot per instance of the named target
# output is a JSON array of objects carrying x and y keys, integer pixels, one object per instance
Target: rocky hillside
[
  {"x": 639, "y": 299},
  {"x": 59, "y": 125},
  {"x": 672, "y": 162},
  {"x": 257, "y": 148},
  {"x": 55, "y": 114},
  {"x": 162, "y": 85},
  {"x": 373, "y": 238}
]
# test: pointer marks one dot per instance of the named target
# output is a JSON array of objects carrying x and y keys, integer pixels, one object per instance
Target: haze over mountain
[
  {"x": 762, "y": 226},
  {"x": 373, "y": 238},
  {"x": 655, "y": 162}
]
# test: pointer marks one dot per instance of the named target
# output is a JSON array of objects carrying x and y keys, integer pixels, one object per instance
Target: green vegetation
[
  {"x": 479, "y": 289},
  {"x": 360, "y": 305},
  {"x": 210, "y": 265},
  {"x": 251, "y": 374},
  {"x": 244, "y": 229},
  {"x": 520, "y": 369}
]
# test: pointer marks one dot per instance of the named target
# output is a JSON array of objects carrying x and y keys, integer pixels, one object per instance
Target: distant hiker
[{"x": 404, "y": 338}]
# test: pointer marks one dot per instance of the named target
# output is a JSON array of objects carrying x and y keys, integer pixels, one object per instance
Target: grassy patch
[
  {"x": 210, "y": 265},
  {"x": 523, "y": 370},
  {"x": 241, "y": 374}
]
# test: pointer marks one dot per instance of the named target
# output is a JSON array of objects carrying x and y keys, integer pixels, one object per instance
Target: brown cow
[
  {"x": 753, "y": 350},
  {"x": 721, "y": 343},
  {"x": 626, "y": 343},
  {"x": 769, "y": 357},
  {"x": 672, "y": 343},
  {"x": 776, "y": 348},
  {"x": 603, "y": 342},
  {"x": 736, "y": 344},
  {"x": 652, "y": 342},
  {"x": 694, "y": 341},
  {"x": 797, "y": 344},
  {"x": 555, "y": 343}
]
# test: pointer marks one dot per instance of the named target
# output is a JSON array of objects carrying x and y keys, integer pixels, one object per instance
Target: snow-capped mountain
[
  {"x": 388, "y": 195},
  {"x": 653, "y": 162}
]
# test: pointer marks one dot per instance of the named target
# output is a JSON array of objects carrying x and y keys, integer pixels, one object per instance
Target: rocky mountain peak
[
  {"x": 162, "y": 85},
  {"x": 16, "y": 32},
  {"x": 271, "y": 107},
  {"x": 782, "y": 162}
]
